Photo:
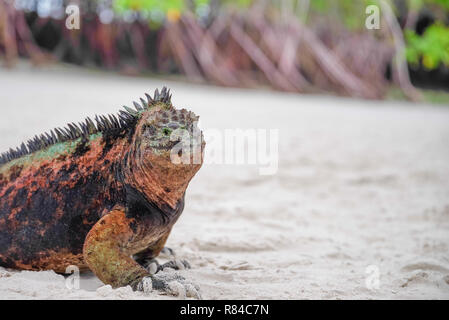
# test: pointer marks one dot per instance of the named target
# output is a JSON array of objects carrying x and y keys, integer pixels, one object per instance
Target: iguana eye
[{"x": 166, "y": 131}]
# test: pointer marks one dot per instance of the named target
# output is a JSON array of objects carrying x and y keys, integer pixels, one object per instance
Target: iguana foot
[
  {"x": 153, "y": 266},
  {"x": 168, "y": 251},
  {"x": 170, "y": 283},
  {"x": 176, "y": 265}
]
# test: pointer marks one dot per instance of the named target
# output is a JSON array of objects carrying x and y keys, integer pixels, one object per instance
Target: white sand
[{"x": 361, "y": 187}]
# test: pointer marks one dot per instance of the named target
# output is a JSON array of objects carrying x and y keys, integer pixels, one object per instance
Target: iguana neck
[{"x": 152, "y": 181}]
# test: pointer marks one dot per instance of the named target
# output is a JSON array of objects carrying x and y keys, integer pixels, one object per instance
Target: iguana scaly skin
[{"x": 97, "y": 193}]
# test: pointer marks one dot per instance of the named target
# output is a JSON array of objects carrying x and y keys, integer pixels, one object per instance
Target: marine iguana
[{"x": 102, "y": 195}]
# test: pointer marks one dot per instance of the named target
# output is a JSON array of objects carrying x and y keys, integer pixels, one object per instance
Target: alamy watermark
[
  {"x": 372, "y": 281},
  {"x": 73, "y": 20},
  {"x": 229, "y": 146},
  {"x": 372, "y": 21},
  {"x": 73, "y": 280}
]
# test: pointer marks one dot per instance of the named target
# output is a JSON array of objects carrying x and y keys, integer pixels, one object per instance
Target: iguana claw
[
  {"x": 154, "y": 267},
  {"x": 168, "y": 251},
  {"x": 170, "y": 283}
]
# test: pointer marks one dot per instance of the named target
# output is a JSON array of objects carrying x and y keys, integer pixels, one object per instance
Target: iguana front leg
[
  {"x": 104, "y": 251},
  {"x": 147, "y": 258},
  {"x": 106, "y": 255}
]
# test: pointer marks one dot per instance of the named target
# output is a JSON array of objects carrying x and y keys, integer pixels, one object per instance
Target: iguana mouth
[
  {"x": 172, "y": 144},
  {"x": 167, "y": 146}
]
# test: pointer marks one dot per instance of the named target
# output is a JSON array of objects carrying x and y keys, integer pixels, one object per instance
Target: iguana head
[{"x": 167, "y": 149}]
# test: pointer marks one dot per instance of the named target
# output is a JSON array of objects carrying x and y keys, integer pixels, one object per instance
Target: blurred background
[
  {"x": 304, "y": 46},
  {"x": 359, "y": 205}
]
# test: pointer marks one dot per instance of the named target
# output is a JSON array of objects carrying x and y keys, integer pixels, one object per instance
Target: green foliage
[
  {"x": 242, "y": 4},
  {"x": 432, "y": 48},
  {"x": 319, "y": 5},
  {"x": 148, "y": 6},
  {"x": 156, "y": 11},
  {"x": 442, "y": 3},
  {"x": 351, "y": 13},
  {"x": 416, "y": 5}
]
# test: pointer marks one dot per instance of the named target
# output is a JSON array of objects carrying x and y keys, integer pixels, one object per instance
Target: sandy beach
[{"x": 358, "y": 207}]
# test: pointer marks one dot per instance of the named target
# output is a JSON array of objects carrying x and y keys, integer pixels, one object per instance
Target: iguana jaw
[{"x": 150, "y": 167}]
